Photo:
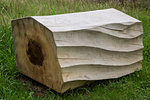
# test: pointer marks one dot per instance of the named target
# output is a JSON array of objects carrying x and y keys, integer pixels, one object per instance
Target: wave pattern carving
[{"x": 103, "y": 52}]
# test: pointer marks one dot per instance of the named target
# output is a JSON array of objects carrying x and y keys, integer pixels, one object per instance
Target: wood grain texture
[{"x": 69, "y": 50}]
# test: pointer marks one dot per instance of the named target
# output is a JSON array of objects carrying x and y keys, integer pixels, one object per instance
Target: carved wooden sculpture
[{"x": 66, "y": 51}]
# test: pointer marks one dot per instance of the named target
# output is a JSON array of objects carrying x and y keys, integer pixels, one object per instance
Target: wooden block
[{"x": 68, "y": 50}]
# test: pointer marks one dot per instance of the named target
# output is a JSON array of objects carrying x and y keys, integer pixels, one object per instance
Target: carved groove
[{"x": 97, "y": 72}]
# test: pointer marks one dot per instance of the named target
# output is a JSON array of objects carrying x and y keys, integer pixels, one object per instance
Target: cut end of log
[{"x": 69, "y": 50}]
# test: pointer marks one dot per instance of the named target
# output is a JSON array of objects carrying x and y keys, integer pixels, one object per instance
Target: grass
[{"x": 14, "y": 86}]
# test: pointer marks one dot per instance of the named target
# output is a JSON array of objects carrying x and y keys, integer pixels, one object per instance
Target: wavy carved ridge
[
  {"x": 97, "y": 72},
  {"x": 71, "y": 56}
]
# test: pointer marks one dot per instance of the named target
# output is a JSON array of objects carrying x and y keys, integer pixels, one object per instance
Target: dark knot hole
[{"x": 34, "y": 53}]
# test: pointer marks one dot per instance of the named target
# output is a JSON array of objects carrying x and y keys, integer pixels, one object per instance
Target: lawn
[{"x": 14, "y": 85}]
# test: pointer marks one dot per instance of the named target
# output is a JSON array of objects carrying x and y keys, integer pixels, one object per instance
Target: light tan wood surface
[{"x": 69, "y": 50}]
